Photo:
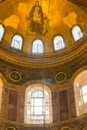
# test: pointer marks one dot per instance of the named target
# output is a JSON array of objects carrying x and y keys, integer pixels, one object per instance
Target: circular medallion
[
  {"x": 60, "y": 76},
  {"x": 15, "y": 76},
  {"x": 65, "y": 128},
  {"x": 10, "y": 128}
]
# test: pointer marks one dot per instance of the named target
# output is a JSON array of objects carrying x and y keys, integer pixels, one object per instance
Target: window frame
[
  {"x": 81, "y": 31},
  {"x": 43, "y": 49},
  {"x": 47, "y": 121},
  {"x": 82, "y": 94},
  {"x": 3, "y": 27},
  {"x": 79, "y": 83},
  {"x": 22, "y": 40},
  {"x": 64, "y": 44}
]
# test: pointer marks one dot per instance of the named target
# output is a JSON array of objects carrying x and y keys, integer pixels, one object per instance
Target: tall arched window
[
  {"x": 38, "y": 106},
  {"x": 58, "y": 43},
  {"x": 17, "y": 42},
  {"x": 77, "y": 33},
  {"x": 80, "y": 89},
  {"x": 2, "y": 31},
  {"x": 37, "y": 47}
]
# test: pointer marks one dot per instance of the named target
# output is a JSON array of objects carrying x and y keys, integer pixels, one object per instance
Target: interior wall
[{"x": 63, "y": 107}]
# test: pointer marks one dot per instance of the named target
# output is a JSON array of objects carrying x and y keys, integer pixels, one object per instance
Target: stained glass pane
[
  {"x": 38, "y": 110},
  {"x": 37, "y": 46},
  {"x": 17, "y": 42},
  {"x": 80, "y": 90},
  {"x": 38, "y": 106},
  {"x": 2, "y": 30},
  {"x": 84, "y": 89},
  {"x": 37, "y": 94},
  {"x": 37, "y": 102},
  {"x": 77, "y": 33},
  {"x": 58, "y": 43},
  {"x": 85, "y": 98}
]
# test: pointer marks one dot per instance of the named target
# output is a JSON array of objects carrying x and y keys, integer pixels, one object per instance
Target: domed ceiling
[{"x": 57, "y": 17}]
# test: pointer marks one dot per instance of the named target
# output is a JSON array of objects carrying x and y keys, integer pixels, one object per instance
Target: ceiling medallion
[
  {"x": 15, "y": 76},
  {"x": 60, "y": 76},
  {"x": 65, "y": 128},
  {"x": 10, "y": 128}
]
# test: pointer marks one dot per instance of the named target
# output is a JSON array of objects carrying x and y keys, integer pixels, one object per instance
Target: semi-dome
[{"x": 44, "y": 30}]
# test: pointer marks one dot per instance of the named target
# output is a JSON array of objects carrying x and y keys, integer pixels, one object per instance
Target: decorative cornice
[
  {"x": 77, "y": 119},
  {"x": 79, "y": 49}
]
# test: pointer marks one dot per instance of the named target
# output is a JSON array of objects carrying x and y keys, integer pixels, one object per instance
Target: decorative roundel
[
  {"x": 65, "y": 128},
  {"x": 60, "y": 76},
  {"x": 15, "y": 76},
  {"x": 10, "y": 128}
]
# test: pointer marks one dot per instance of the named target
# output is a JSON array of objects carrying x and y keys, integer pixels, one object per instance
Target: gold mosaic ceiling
[{"x": 59, "y": 17}]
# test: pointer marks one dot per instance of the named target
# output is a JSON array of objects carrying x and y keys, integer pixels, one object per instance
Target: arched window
[
  {"x": 38, "y": 107},
  {"x": 2, "y": 31},
  {"x": 17, "y": 42},
  {"x": 58, "y": 43},
  {"x": 77, "y": 33},
  {"x": 80, "y": 89},
  {"x": 37, "y": 47}
]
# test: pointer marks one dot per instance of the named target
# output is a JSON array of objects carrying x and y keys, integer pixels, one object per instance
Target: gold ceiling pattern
[
  {"x": 21, "y": 13},
  {"x": 40, "y": 19}
]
